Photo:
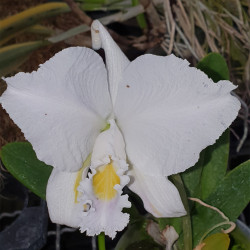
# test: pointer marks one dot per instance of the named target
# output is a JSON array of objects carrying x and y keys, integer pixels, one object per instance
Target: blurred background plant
[
  {"x": 187, "y": 28},
  {"x": 32, "y": 31}
]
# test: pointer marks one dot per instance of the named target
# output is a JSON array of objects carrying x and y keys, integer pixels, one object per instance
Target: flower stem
[
  {"x": 101, "y": 241},
  {"x": 186, "y": 220}
]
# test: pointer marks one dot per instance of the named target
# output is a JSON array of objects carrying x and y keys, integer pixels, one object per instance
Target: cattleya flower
[{"x": 138, "y": 122}]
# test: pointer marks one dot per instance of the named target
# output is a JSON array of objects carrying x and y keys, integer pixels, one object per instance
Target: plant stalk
[
  {"x": 101, "y": 241},
  {"x": 186, "y": 220}
]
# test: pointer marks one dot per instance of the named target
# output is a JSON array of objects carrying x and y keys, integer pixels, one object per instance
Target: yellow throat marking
[
  {"x": 104, "y": 181},
  {"x": 77, "y": 182},
  {"x": 79, "y": 176}
]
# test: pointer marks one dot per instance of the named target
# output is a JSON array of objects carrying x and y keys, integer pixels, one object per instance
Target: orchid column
[{"x": 136, "y": 123}]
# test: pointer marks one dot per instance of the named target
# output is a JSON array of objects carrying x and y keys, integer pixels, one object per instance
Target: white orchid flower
[{"x": 158, "y": 112}]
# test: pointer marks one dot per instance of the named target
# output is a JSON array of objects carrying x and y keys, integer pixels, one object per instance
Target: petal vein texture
[
  {"x": 172, "y": 112},
  {"x": 62, "y": 107}
]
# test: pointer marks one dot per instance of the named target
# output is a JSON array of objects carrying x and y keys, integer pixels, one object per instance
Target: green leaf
[
  {"x": 215, "y": 165},
  {"x": 136, "y": 237},
  {"x": 240, "y": 237},
  {"x": 219, "y": 241},
  {"x": 194, "y": 173},
  {"x": 40, "y": 29},
  {"x": 29, "y": 17},
  {"x": 215, "y": 66},
  {"x": 175, "y": 222},
  {"x": 13, "y": 56},
  {"x": 140, "y": 18},
  {"x": 231, "y": 196},
  {"x": 145, "y": 245},
  {"x": 232, "y": 193},
  {"x": 21, "y": 161},
  {"x": 209, "y": 170}
]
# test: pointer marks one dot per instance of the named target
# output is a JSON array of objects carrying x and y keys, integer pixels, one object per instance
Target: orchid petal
[
  {"x": 61, "y": 197},
  {"x": 172, "y": 112},
  {"x": 116, "y": 61},
  {"x": 62, "y": 107},
  {"x": 102, "y": 189},
  {"x": 160, "y": 197}
]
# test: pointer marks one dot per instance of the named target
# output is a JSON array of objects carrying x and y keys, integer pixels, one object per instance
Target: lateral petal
[
  {"x": 62, "y": 106},
  {"x": 61, "y": 197},
  {"x": 116, "y": 61},
  {"x": 160, "y": 196},
  {"x": 172, "y": 112}
]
